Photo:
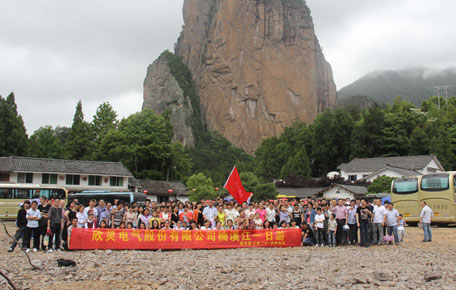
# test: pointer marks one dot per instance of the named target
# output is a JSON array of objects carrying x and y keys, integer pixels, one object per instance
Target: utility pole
[{"x": 443, "y": 89}]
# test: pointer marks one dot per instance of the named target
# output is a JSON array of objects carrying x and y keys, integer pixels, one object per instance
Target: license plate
[
  {"x": 406, "y": 214},
  {"x": 436, "y": 214}
]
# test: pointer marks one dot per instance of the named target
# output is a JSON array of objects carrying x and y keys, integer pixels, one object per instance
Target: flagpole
[{"x": 229, "y": 176}]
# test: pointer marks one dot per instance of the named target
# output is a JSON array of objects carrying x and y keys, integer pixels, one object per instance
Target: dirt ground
[{"x": 378, "y": 267}]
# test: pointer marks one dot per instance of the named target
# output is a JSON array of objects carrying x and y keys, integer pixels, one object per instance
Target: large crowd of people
[{"x": 341, "y": 222}]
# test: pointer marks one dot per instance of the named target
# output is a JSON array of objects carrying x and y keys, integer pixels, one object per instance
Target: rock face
[
  {"x": 161, "y": 92},
  {"x": 256, "y": 64}
]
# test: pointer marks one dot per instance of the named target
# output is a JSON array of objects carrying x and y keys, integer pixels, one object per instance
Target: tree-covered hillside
[{"x": 413, "y": 85}]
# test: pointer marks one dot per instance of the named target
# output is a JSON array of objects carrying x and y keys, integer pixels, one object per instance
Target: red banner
[{"x": 117, "y": 239}]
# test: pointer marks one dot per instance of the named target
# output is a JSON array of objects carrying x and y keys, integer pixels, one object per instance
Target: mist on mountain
[{"x": 412, "y": 84}]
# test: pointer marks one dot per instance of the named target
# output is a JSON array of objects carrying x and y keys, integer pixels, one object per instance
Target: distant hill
[
  {"x": 413, "y": 84},
  {"x": 360, "y": 101}
]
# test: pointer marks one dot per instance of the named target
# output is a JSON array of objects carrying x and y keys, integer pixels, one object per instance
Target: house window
[
  {"x": 4, "y": 177},
  {"x": 94, "y": 180},
  {"x": 73, "y": 179},
  {"x": 353, "y": 177},
  {"x": 49, "y": 178},
  {"x": 116, "y": 181},
  {"x": 25, "y": 178}
]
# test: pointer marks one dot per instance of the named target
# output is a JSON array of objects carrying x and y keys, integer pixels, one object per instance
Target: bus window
[
  {"x": 56, "y": 193},
  {"x": 6, "y": 193},
  {"x": 437, "y": 182},
  {"x": 405, "y": 186},
  {"x": 22, "y": 193},
  {"x": 50, "y": 193}
]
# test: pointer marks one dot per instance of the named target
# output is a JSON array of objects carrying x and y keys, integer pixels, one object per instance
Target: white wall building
[
  {"x": 371, "y": 168},
  {"x": 343, "y": 191},
  {"x": 163, "y": 191},
  {"x": 74, "y": 175},
  {"x": 334, "y": 191}
]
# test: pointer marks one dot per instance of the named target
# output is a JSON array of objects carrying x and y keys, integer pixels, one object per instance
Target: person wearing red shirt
[{"x": 186, "y": 216}]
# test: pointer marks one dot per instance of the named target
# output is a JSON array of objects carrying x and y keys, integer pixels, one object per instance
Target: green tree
[
  {"x": 249, "y": 180},
  {"x": 63, "y": 133},
  {"x": 381, "y": 184},
  {"x": 400, "y": 120},
  {"x": 79, "y": 145},
  {"x": 179, "y": 164},
  {"x": 215, "y": 156},
  {"x": 200, "y": 187},
  {"x": 367, "y": 132},
  {"x": 268, "y": 161},
  {"x": 261, "y": 190},
  {"x": 297, "y": 165},
  {"x": 331, "y": 140},
  {"x": 419, "y": 142},
  {"x": 13, "y": 141},
  {"x": 264, "y": 191},
  {"x": 44, "y": 143},
  {"x": 443, "y": 145},
  {"x": 105, "y": 119},
  {"x": 141, "y": 142}
]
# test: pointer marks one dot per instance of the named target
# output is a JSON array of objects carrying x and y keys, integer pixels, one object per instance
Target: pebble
[{"x": 432, "y": 276}]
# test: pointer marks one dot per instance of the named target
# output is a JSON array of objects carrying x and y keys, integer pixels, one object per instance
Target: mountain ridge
[{"x": 413, "y": 84}]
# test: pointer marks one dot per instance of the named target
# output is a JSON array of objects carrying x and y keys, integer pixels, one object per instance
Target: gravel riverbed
[{"x": 412, "y": 265}]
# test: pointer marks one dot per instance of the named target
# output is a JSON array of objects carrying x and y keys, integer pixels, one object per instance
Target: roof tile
[
  {"x": 27, "y": 164},
  {"x": 374, "y": 164}
]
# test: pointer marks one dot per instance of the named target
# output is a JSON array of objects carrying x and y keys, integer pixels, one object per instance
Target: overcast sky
[{"x": 54, "y": 52}]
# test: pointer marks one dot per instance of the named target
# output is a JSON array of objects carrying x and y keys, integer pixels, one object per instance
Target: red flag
[{"x": 234, "y": 186}]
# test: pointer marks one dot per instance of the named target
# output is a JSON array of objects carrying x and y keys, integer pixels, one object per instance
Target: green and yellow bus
[
  {"x": 439, "y": 192},
  {"x": 406, "y": 199},
  {"x": 13, "y": 195}
]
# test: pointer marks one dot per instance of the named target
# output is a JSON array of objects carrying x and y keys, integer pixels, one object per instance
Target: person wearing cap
[{"x": 21, "y": 225}]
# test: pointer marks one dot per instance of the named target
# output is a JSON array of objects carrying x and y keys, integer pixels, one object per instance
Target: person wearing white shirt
[
  {"x": 207, "y": 226},
  {"x": 391, "y": 220},
  {"x": 319, "y": 227},
  {"x": 249, "y": 212},
  {"x": 271, "y": 214},
  {"x": 425, "y": 220},
  {"x": 379, "y": 217},
  {"x": 231, "y": 213},
  {"x": 91, "y": 209},
  {"x": 33, "y": 217},
  {"x": 210, "y": 213}
]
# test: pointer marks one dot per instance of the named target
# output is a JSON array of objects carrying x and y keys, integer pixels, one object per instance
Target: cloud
[
  {"x": 55, "y": 52},
  {"x": 362, "y": 36}
]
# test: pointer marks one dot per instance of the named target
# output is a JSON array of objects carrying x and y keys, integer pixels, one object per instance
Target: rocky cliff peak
[{"x": 256, "y": 65}]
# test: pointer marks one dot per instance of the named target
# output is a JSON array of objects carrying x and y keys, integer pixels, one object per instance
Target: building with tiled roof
[
  {"x": 74, "y": 175},
  {"x": 371, "y": 168}
]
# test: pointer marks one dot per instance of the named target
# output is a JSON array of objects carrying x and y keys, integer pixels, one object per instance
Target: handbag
[{"x": 388, "y": 238}]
